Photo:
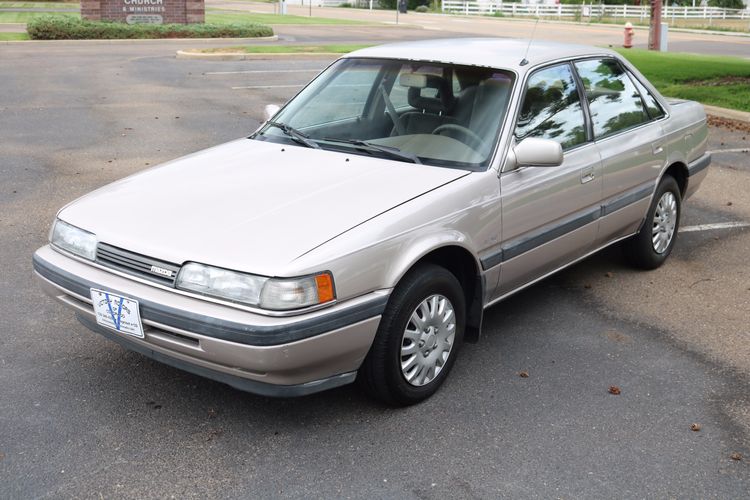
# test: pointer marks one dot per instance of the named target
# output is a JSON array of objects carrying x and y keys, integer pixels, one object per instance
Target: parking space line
[
  {"x": 267, "y": 87},
  {"x": 260, "y": 71},
  {"x": 718, "y": 225},
  {"x": 734, "y": 150}
]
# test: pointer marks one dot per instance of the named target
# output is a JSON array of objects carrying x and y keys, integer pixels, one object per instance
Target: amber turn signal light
[{"x": 325, "y": 288}]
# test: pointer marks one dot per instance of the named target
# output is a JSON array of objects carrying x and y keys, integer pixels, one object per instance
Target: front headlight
[
  {"x": 266, "y": 293},
  {"x": 74, "y": 240}
]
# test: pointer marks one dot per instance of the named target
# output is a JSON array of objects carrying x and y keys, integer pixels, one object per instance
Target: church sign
[{"x": 144, "y": 11}]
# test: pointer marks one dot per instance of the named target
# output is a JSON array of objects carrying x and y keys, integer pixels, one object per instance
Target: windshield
[{"x": 431, "y": 113}]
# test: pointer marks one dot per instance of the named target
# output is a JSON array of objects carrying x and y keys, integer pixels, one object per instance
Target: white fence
[{"x": 490, "y": 7}]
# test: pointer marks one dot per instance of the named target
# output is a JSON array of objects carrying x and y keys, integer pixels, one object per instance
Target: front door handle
[{"x": 587, "y": 175}]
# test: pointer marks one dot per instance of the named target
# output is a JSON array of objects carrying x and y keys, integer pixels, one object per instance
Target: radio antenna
[{"x": 525, "y": 61}]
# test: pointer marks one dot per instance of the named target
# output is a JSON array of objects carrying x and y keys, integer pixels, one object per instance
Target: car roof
[{"x": 489, "y": 52}]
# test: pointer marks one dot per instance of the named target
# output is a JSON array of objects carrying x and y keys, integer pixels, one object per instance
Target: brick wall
[{"x": 172, "y": 11}]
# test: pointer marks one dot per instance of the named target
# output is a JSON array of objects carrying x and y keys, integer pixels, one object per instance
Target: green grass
[
  {"x": 230, "y": 17},
  {"x": 288, "y": 49},
  {"x": 699, "y": 78},
  {"x": 40, "y": 5},
  {"x": 25, "y": 17},
  {"x": 13, "y": 36}
]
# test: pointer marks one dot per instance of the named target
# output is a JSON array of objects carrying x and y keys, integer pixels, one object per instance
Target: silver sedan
[{"x": 363, "y": 229}]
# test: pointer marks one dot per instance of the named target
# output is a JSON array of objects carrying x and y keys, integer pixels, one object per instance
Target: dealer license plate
[{"x": 117, "y": 313}]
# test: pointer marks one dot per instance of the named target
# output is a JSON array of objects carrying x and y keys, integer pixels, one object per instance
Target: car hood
[{"x": 249, "y": 205}]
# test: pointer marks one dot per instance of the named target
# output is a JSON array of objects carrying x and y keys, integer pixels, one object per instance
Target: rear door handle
[
  {"x": 587, "y": 175},
  {"x": 657, "y": 147}
]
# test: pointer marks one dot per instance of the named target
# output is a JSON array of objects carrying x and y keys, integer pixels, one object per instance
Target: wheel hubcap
[
  {"x": 428, "y": 340},
  {"x": 665, "y": 221}
]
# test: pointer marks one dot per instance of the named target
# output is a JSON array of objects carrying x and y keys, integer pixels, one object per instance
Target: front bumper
[{"x": 272, "y": 356}]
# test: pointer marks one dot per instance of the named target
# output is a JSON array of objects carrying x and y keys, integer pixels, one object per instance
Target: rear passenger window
[
  {"x": 652, "y": 105},
  {"x": 551, "y": 108},
  {"x": 614, "y": 101}
]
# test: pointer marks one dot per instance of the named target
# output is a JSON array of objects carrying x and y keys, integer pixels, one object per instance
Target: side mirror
[
  {"x": 269, "y": 111},
  {"x": 534, "y": 152}
]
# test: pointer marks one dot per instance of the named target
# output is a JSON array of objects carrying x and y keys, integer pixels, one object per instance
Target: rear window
[{"x": 653, "y": 107}]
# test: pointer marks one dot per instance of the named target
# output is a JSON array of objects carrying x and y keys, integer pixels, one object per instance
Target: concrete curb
[
  {"x": 235, "y": 41},
  {"x": 730, "y": 114},
  {"x": 244, "y": 56}
]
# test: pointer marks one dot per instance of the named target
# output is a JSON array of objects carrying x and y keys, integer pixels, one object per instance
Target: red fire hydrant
[{"x": 628, "y": 40}]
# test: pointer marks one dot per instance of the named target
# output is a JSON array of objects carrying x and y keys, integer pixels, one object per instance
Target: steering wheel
[{"x": 465, "y": 135}]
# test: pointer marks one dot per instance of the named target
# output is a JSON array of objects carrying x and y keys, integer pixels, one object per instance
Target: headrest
[{"x": 441, "y": 103}]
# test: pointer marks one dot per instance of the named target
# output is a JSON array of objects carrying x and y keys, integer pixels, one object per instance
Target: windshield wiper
[
  {"x": 294, "y": 134},
  {"x": 391, "y": 151}
]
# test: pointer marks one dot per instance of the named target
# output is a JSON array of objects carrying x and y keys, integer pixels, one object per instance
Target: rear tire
[
  {"x": 418, "y": 339},
  {"x": 651, "y": 246}
]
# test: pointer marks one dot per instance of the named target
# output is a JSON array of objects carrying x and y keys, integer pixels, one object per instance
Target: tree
[{"x": 727, "y": 4}]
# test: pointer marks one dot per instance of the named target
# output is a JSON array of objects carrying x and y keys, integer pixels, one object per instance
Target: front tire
[
  {"x": 418, "y": 338},
  {"x": 651, "y": 246}
]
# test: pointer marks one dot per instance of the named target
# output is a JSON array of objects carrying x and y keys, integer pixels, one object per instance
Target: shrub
[
  {"x": 422, "y": 8},
  {"x": 68, "y": 28}
]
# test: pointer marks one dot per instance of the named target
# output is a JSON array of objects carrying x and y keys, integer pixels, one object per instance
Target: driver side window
[{"x": 551, "y": 108}]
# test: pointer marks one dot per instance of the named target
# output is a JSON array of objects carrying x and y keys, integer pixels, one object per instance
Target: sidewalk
[{"x": 12, "y": 28}]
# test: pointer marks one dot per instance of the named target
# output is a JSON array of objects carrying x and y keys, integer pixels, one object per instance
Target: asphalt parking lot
[{"x": 81, "y": 417}]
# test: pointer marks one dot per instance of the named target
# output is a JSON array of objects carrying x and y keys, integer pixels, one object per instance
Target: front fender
[{"x": 423, "y": 245}]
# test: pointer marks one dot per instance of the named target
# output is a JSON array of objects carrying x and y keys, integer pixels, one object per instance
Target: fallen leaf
[
  {"x": 523, "y": 374},
  {"x": 617, "y": 337},
  {"x": 214, "y": 433},
  {"x": 695, "y": 427},
  {"x": 587, "y": 286},
  {"x": 608, "y": 275},
  {"x": 736, "y": 456},
  {"x": 729, "y": 203},
  {"x": 613, "y": 389}
]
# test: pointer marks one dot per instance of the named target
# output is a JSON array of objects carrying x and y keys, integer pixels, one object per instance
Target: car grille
[{"x": 137, "y": 264}]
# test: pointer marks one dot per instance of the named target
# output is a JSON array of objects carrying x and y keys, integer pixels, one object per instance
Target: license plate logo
[{"x": 117, "y": 313}]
